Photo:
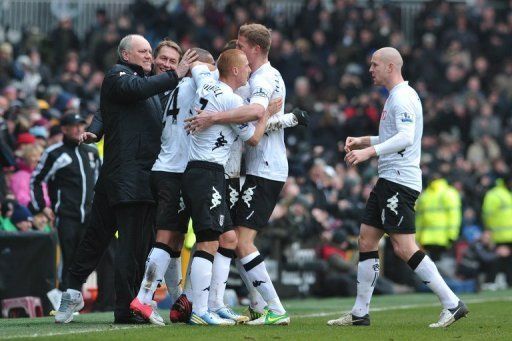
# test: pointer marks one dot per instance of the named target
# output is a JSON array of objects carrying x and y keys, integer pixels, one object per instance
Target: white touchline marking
[
  {"x": 407, "y": 306},
  {"x": 80, "y": 331},
  {"x": 397, "y": 307}
]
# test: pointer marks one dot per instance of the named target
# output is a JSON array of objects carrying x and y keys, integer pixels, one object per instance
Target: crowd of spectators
[{"x": 457, "y": 61}]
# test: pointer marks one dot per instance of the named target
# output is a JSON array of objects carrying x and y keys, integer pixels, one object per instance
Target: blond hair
[
  {"x": 256, "y": 34},
  {"x": 229, "y": 59}
]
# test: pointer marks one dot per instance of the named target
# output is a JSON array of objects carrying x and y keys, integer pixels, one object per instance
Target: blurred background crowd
[{"x": 456, "y": 59}]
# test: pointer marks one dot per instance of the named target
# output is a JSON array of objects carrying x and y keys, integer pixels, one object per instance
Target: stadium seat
[{"x": 27, "y": 306}]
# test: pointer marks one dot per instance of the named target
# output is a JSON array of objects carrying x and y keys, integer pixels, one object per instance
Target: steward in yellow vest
[
  {"x": 438, "y": 217},
  {"x": 497, "y": 218},
  {"x": 497, "y": 212}
]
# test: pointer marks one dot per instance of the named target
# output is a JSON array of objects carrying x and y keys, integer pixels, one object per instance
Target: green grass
[{"x": 398, "y": 317}]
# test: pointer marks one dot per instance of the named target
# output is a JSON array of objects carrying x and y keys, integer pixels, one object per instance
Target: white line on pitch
[{"x": 398, "y": 307}]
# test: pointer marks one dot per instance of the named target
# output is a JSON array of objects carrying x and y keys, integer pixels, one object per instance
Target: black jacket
[
  {"x": 132, "y": 123},
  {"x": 96, "y": 126},
  {"x": 70, "y": 172}
]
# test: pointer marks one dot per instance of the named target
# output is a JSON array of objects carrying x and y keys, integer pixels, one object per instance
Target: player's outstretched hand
[
  {"x": 188, "y": 58},
  {"x": 274, "y": 106},
  {"x": 87, "y": 138},
  {"x": 302, "y": 117},
  {"x": 199, "y": 122}
]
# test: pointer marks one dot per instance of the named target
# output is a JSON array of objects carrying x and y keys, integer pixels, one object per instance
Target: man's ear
[
  {"x": 235, "y": 70},
  {"x": 124, "y": 55}
]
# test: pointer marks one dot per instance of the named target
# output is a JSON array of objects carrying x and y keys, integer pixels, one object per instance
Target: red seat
[{"x": 27, "y": 306}]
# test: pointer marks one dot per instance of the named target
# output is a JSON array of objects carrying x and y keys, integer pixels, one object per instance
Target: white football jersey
[
  {"x": 214, "y": 143},
  {"x": 268, "y": 158},
  {"x": 173, "y": 156},
  {"x": 402, "y": 112}
]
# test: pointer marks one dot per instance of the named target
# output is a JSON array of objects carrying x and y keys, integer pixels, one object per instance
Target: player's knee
[
  {"x": 401, "y": 252},
  {"x": 177, "y": 244},
  {"x": 228, "y": 240},
  {"x": 367, "y": 244},
  {"x": 208, "y": 246},
  {"x": 244, "y": 246}
]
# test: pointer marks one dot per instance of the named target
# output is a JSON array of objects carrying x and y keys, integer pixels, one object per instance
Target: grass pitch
[{"x": 398, "y": 317}]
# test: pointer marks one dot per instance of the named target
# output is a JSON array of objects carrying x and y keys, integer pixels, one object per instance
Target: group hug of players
[{"x": 197, "y": 176}]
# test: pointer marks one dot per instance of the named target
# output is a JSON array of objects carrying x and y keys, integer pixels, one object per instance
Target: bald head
[
  {"x": 203, "y": 56},
  {"x": 386, "y": 67},
  {"x": 126, "y": 43},
  {"x": 135, "y": 49},
  {"x": 390, "y": 55}
]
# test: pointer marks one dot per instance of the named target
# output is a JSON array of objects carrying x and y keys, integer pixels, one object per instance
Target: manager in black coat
[{"x": 132, "y": 117}]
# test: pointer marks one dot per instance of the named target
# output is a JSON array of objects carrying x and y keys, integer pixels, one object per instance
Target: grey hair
[{"x": 126, "y": 44}]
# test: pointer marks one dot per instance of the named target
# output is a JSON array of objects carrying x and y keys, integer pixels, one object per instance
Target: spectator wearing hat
[
  {"x": 25, "y": 138},
  {"x": 22, "y": 218},
  {"x": 70, "y": 171}
]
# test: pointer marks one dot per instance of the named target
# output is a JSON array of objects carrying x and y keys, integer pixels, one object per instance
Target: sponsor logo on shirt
[
  {"x": 221, "y": 141},
  {"x": 406, "y": 117}
]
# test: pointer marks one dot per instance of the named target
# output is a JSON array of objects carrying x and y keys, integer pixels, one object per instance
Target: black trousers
[
  {"x": 134, "y": 222},
  {"x": 71, "y": 231}
]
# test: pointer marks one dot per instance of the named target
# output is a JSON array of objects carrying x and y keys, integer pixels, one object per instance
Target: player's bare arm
[
  {"x": 259, "y": 131},
  {"x": 243, "y": 114}
]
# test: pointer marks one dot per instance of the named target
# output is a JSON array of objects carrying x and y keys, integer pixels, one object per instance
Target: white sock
[
  {"x": 173, "y": 278},
  {"x": 258, "y": 275},
  {"x": 200, "y": 277},
  {"x": 367, "y": 275},
  {"x": 258, "y": 304},
  {"x": 428, "y": 273},
  {"x": 156, "y": 264},
  {"x": 220, "y": 274}
]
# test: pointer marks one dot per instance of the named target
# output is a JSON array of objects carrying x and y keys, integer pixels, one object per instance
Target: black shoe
[
  {"x": 133, "y": 319},
  {"x": 302, "y": 117},
  {"x": 348, "y": 319},
  {"x": 361, "y": 321},
  {"x": 460, "y": 311},
  {"x": 449, "y": 316}
]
